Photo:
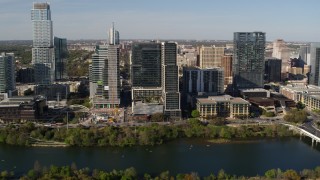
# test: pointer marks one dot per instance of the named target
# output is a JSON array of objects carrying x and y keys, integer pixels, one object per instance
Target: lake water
[{"x": 181, "y": 156}]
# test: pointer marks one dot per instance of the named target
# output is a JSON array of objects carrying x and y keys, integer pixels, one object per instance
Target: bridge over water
[{"x": 312, "y": 133}]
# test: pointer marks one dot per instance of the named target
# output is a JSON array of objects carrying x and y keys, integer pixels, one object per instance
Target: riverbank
[
  {"x": 153, "y": 134},
  {"x": 67, "y": 172}
]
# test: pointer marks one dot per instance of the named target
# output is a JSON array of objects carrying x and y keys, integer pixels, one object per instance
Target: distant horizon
[
  {"x": 290, "y": 20},
  {"x": 198, "y": 40}
]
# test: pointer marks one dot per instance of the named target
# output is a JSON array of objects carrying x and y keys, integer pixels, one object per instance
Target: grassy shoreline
[
  {"x": 153, "y": 134},
  {"x": 71, "y": 172}
]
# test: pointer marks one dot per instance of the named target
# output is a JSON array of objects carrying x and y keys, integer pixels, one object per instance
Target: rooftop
[
  {"x": 223, "y": 98},
  {"x": 302, "y": 88}
]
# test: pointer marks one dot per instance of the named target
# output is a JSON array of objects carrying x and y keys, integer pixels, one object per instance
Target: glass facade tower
[
  {"x": 248, "y": 63},
  {"x": 43, "y": 50}
]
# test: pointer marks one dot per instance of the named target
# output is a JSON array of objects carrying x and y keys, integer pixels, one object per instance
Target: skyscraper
[
  {"x": 211, "y": 56},
  {"x": 315, "y": 64},
  {"x": 105, "y": 77},
  {"x": 146, "y": 65},
  {"x": 7, "y": 73},
  {"x": 170, "y": 82},
  {"x": 61, "y": 52},
  {"x": 42, "y": 51},
  {"x": 113, "y": 36},
  {"x": 248, "y": 62}
]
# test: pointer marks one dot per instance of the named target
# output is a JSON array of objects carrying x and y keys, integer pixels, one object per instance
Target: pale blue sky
[{"x": 292, "y": 20}]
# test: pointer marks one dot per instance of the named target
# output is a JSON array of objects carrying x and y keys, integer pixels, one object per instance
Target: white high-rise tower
[
  {"x": 42, "y": 51},
  {"x": 113, "y": 36}
]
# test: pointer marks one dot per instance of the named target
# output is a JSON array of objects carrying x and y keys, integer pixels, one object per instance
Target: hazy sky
[{"x": 292, "y": 20}]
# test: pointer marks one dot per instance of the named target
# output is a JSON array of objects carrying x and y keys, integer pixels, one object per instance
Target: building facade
[
  {"x": 146, "y": 65},
  {"x": 248, "y": 62},
  {"x": 226, "y": 64},
  {"x": 315, "y": 64},
  {"x": 43, "y": 50},
  {"x": 170, "y": 80},
  {"x": 295, "y": 92},
  {"x": 61, "y": 53},
  {"x": 211, "y": 56},
  {"x": 25, "y": 75},
  {"x": 7, "y": 73},
  {"x": 198, "y": 81},
  {"x": 105, "y": 77},
  {"x": 273, "y": 70},
  {"x": 223, "y": 106},
  {"x": 22, "y": 108}
]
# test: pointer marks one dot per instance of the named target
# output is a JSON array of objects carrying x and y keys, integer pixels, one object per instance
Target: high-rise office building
[
  {"x": 7, "y": 73},
  {"x": 146, "y": 65},
  {"x": 315, "y": 64},
  {"x": 211, "y": 56},
  {"x": 145, "y": 73},
  {"x": 104, "y": 76},
  {"x": 42, "y": 51},
  {"x": 113, "y": 36},
  {"x": 61, "y": 53},
  {"x": 198, "y": 81},
  {"x": 248, "y": 59},
  {"x": 273, "y": 70},
  {"x": 170, "y": 80}
]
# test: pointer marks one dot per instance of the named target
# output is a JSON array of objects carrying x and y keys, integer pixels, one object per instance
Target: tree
[
  {"x": 271, "y": 174},
  {"x": 195, "y": 113},
  {"x": 291, "y": 174},
  {"x": 300, "y": 105},
  {"x": 296, "y": 116}
]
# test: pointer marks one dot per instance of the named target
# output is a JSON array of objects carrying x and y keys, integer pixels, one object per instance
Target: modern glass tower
[
  {"x": 248, "y": 63},
  {"x": 105, "y": 76},
  {"x": 146, "y": 65},
  {"x": 43, "y": 50},
  {"x": 61, "y": 53},
  {"x": 315, "y": 64},
  {"x": 7, "y": 73},
  {"x": 170, "y": 80}
]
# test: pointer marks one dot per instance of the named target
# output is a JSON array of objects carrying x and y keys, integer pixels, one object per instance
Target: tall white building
[
  {"x": 43, "y": 50},
  {"x": 113, "y": 36}
]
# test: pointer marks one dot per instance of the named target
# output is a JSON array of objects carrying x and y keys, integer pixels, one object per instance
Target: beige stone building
[
  {"x": 223, "y": 106},
  {"x": 211, "y": 56}
]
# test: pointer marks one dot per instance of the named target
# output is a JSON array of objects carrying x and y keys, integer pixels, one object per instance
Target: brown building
[
  {"x": 226, "y": 63},
  {"x": 22, "y": 108}
]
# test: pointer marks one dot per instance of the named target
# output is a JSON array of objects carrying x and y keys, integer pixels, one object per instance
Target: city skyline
[{"x": 168, "y": 20}]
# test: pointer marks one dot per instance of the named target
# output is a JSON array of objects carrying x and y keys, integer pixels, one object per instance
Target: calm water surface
[{"x": 182, "y": 156}]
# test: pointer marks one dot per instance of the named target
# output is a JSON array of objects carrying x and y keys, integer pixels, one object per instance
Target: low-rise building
[
  {"x": 22, "y": 108},
  {"x": 295, "y": 92},
  {"x": 223, "y": 106},
  {"x": 255, "y": 92},
  {"x": 312, "y": 101}
]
